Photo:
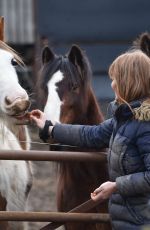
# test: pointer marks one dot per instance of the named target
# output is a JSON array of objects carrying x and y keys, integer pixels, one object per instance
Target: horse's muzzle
[{"x": 17, "y": 107}]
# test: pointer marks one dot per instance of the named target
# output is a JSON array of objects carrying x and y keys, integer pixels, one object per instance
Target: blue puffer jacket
[{"x": 128, "y": 140}]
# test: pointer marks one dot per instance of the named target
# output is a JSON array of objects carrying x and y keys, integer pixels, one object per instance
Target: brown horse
[{"x": 66, "y": 96}]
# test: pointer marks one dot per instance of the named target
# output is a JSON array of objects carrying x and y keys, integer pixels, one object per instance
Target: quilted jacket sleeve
[
  {"x": 139, "y": 182},
  {"x": 97, "y": 136}
]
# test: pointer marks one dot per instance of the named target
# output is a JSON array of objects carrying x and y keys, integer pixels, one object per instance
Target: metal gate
[{"x": 57, "y": 217}]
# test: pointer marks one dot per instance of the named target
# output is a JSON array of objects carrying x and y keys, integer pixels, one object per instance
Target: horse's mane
[{"x": 6, "y": 47}]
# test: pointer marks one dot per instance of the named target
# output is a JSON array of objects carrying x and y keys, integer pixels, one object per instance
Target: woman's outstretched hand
[
  {"x": 104, "y": 191},
  {"x": 38, "y": 117}
]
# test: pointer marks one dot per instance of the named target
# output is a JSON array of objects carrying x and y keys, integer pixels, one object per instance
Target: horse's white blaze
[
  {"x": 53, "y": 104},
  {"x": 9, "y": 86}
]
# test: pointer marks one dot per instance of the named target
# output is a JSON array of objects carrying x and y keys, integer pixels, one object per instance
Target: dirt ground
[{"x": 43, "y": 193}]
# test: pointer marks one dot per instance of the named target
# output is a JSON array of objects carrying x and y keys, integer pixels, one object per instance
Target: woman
[{"x": 127, "y": 134}]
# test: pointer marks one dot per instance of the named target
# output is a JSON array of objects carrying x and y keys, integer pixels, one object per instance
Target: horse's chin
[
  {"x": 18, "y": 116},
  {"x": 22, "y": 118}
]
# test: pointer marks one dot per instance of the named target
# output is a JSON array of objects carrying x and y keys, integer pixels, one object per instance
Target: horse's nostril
[
  {"x": 7, "y": 101},
  {"x": 21, "y": 106},
  {"x": 28, "y": 103}
]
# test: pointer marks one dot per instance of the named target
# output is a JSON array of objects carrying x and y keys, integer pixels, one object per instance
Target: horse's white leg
[
  {"x": 13, "y": 184},
  {"x": 3, "y": 203}
]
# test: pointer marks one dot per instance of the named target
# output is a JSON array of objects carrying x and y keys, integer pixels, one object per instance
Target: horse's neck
[
  {"x": 94, "y": 114},
  {"x": 9, "y": 129},
  {"x": 87, "y": 114}
]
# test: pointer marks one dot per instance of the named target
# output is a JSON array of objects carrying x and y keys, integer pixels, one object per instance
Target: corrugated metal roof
[{"x": 19, "y": 23}]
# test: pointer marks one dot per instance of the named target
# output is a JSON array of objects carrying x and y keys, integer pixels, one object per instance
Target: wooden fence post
[{"x": 2, "y": 28}]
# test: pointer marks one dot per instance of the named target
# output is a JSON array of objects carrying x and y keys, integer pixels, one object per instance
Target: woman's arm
[{"x": 97, "y": 136}]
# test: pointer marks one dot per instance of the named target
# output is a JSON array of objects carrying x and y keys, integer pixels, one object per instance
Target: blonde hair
[{"x": 131, "y": 71}]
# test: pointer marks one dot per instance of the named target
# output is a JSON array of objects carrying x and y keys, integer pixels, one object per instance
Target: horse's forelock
[
  {"x": 4, "y": 46},
  {"x": 71, "y": 73},
  {"x": 77, "y": 75},
  {"x": 48, "y": 70}
]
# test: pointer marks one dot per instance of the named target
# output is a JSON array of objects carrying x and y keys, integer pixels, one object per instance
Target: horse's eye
[{"x": 14, "y": 62}]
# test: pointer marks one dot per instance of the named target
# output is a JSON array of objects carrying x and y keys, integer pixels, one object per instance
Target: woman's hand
[
  {"x": 104, "y": 191},
  {"x": 38, "y": 117}
]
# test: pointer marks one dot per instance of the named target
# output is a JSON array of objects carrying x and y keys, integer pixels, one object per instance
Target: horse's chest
[{"x": 14, "y": 175}]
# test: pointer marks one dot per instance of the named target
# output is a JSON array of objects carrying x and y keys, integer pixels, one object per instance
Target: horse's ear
[
  {"x": 75, "y": 55},
  {"x": 79, "y": 59},
  {"x": 143, "y": 42},
  {"x": 47, "y": 55}
]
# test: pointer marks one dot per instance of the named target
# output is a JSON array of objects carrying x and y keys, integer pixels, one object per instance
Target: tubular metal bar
[
  {"x": 2, "y": 28},
  {"x": 34, "y": 155},
  {"x": 82, "y": 208},
  {"x": 53, "y": 216}
]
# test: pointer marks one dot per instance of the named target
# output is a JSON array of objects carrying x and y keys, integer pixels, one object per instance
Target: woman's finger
[
  {"x": 96, "y": 197},
  {"x": 36, "y": 113},
  {"x": 98, "y": 190},
  {"x": 34, "y": 118}
]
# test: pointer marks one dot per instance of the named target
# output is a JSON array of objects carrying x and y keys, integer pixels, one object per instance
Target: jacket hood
[
  {"x": 139, "y": 110},
  {"x": 142, "y": 113}
]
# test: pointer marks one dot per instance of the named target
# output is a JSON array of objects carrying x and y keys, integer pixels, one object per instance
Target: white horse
[{"x": 15, "y": 176}]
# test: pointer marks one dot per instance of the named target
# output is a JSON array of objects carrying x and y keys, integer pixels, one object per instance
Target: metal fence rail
[
  {"x": 34, "y": 155},
  {"x": 53, "y": 217},
  {"x": 59, "y": 217}
]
